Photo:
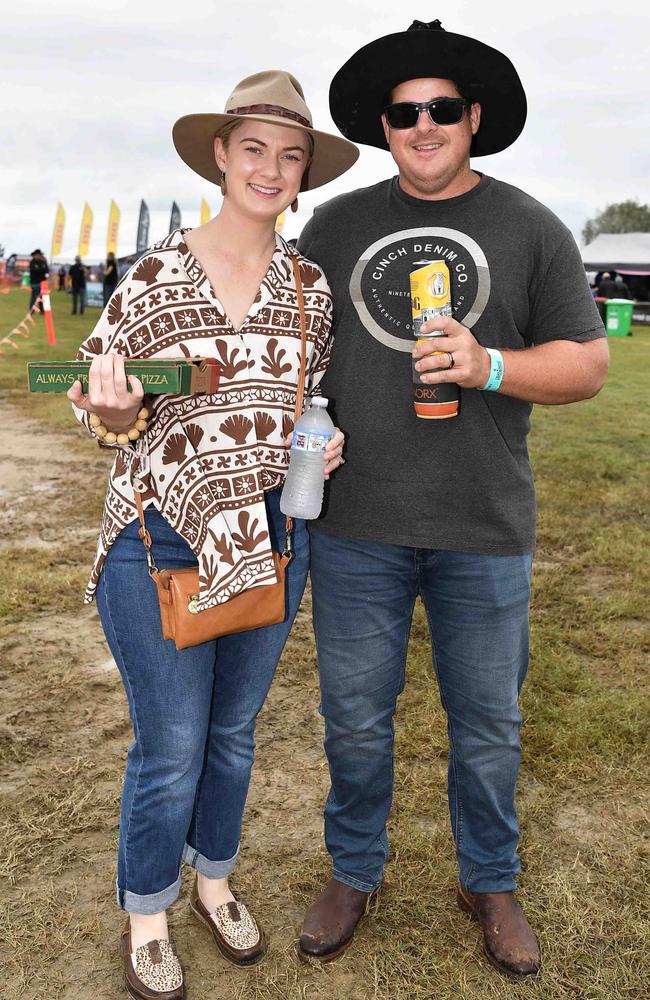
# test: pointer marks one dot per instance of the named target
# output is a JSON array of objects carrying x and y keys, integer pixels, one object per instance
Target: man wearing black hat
[
  {"x": 38, "y": 271},
  {"x": 440, "y": 508}
]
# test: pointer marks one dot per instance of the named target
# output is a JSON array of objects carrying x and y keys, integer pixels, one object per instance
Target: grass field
[{"x": 584, "y": 794}]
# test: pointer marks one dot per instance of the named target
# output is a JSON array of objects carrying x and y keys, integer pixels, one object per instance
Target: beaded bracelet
[
  {"x": 125, "y": 437},
  {"x": 496, "y": 370}
]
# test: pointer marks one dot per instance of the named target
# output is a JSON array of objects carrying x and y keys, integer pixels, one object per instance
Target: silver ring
[{"x": 452, "y": 361}]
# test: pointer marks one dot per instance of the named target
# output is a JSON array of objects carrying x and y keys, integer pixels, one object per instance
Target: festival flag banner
[
  {"x": 142, "y": 241},
  {"x": 205, "y": 212},
  {"x": 175, "y": 218},
  {"x": 86, "y": 230},
  {"x": 114, "y": 216},
  {"x": 57, "y": 231},
  {"x": 280, "y": 221}
]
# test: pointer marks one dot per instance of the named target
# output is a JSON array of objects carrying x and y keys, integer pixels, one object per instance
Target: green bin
[{"x": 618, "y": 314}]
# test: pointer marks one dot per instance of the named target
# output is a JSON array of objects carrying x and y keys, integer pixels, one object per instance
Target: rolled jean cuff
[
  {"x": 355, "y": 883},
  {"x": 211, "y": 869},
  {"x": 154, "y": 902}
]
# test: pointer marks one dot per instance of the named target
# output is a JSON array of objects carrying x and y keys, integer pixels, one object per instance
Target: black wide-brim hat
[{"x": 361, "y": 89}]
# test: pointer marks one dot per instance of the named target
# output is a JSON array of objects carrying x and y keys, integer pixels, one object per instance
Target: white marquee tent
[{"x": 627, "y": 253}]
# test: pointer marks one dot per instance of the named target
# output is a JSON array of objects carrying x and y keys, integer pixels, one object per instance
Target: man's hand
[
  {"x": 557, "y": 371},
  {"x": 471, "y": 362}
]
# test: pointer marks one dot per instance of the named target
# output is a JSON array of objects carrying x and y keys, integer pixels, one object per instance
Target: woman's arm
[{"x": 108, "y": 395}]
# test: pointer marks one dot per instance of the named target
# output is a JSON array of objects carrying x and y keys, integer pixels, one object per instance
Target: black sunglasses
[{"x": 442, "y": 111}]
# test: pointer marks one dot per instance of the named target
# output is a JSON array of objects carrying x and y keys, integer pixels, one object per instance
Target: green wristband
[{"x": 496, "y": 370}]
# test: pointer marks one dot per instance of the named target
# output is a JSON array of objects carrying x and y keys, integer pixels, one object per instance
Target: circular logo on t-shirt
[{"x": 380, "y": 282}]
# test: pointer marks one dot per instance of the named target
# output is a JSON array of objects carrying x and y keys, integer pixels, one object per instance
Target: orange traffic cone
[{"x": 47, "y": 312}]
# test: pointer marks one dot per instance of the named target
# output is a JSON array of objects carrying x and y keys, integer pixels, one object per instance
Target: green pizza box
[{"x": 176, "y": 376}]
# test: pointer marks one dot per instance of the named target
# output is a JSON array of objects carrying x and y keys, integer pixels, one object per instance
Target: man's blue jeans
[
  {"x": 193, "y": 713},
  {"x": 35, "y": 293},
  {"x": 477, "y": 608}
]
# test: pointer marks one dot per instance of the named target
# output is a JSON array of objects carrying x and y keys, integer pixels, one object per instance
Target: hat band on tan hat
[{"x": 270, "y": 109}]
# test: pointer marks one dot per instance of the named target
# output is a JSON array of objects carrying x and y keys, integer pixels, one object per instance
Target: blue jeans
[
  {"x": 193, "y": 713},
  {"x": 477, "y": 609},
  {"x": 35, "y": 293},
  {"x": 78, "y": 298}
]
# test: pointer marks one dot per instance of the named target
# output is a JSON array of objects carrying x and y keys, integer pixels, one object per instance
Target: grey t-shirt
[{"x": 517, "y": 279}]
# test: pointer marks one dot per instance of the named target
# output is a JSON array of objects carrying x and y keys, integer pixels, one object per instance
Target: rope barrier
[{"x": 22, "y": 329}]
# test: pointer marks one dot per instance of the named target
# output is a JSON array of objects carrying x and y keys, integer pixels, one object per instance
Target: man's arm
[{"x": 558, "y": 371}]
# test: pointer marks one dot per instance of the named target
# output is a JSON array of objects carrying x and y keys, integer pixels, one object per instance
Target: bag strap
[
  {"x": 145, "y": 536},
  {"x": 300, "y": 391},
  {"x": 300, "y": 395}
]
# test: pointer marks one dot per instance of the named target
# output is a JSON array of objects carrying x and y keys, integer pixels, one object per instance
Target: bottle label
[{"x": 310, "y": 442}]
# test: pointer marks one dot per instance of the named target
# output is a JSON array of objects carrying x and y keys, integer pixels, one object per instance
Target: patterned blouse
[{"x": 206, "y": 460}]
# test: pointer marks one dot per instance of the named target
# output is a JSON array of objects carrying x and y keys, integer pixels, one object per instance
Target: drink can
[{"x": 431, "y": 297}]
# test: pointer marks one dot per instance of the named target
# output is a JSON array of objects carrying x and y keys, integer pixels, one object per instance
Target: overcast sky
[{"x": 89, "y": 95}]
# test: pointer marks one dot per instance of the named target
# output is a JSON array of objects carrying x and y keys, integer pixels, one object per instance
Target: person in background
[
  {"x": 61, "y": 277},
  {"x": 607, "y": 286},
  {"x": 110, "y": 277},
  {"x": 78, "y": 277},
  {"x": 622, "y": 289},
  {"x": 38, "y": 271}
]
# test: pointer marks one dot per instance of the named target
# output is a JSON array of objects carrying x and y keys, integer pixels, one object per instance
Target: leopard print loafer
[
  {"x": 236, "y": 933},
  {"x": 152, "y": 971}
]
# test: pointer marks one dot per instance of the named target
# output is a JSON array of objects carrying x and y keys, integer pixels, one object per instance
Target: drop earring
[
  {"x": 222, "y": 183},
  {"x": 294, "y": 204}
]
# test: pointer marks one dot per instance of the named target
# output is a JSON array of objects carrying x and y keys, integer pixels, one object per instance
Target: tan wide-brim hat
[{"x": 275, "y": 97}]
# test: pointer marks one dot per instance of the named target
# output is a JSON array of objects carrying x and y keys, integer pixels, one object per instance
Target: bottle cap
[{"x": 319, "y": 401}]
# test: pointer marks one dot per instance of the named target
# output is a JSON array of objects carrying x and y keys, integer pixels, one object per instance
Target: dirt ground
[{"x": 64, "y": 734}]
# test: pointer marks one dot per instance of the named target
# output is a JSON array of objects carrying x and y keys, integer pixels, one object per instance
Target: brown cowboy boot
[
  {"x": 330, "y": 922},
  {"x": 509, "y": 941}
]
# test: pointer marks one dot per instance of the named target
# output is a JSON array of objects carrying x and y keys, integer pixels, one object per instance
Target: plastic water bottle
[{"x": 302, "y": 494}]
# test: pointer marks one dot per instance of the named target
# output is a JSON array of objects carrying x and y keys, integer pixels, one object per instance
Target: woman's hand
[
  {"x": 334, "y": 452},
  {"x": 108, "y": 395}
]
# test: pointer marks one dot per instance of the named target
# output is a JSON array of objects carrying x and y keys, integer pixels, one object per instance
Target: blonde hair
[{"x": 225, "y": 133}]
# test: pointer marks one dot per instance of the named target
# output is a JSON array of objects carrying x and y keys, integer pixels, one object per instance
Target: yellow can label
[{"x": 430, "y": 293}]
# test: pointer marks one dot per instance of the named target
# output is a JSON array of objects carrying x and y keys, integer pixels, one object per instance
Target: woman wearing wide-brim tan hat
[
  {"x": 274, "y": 97},
  {"x": 209, "y": 469}
]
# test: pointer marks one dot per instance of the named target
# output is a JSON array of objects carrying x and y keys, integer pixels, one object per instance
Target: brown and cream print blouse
[{"x": 206, "y": 460}]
